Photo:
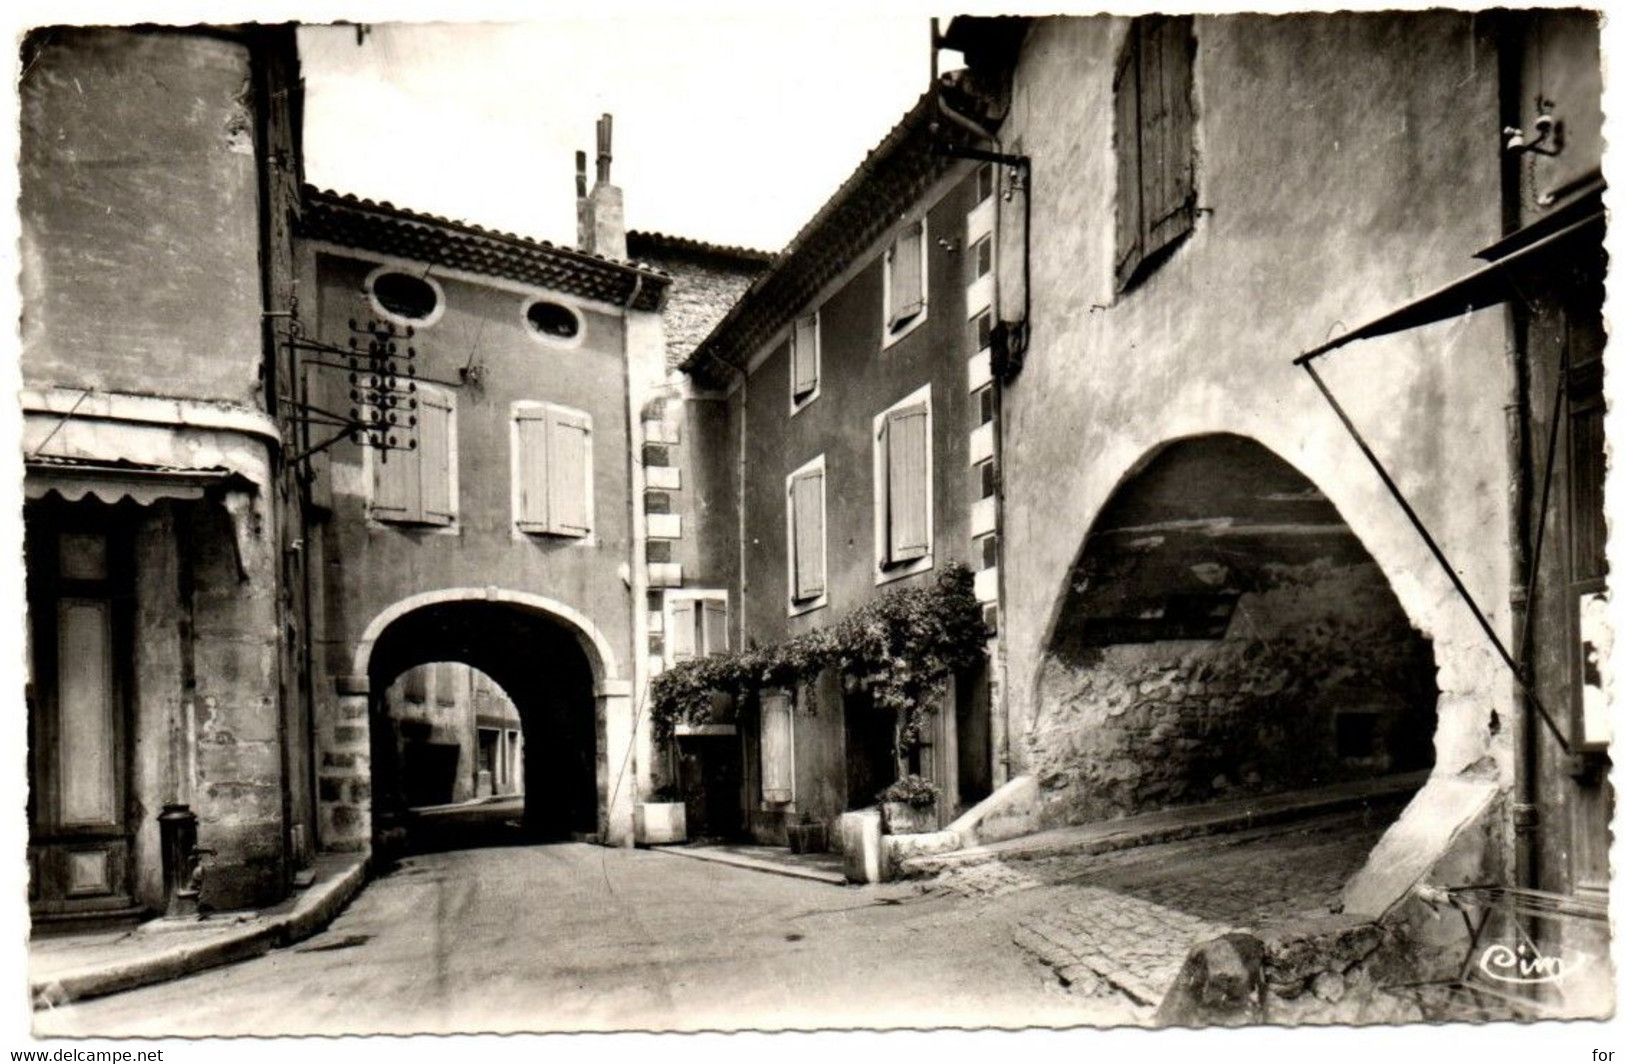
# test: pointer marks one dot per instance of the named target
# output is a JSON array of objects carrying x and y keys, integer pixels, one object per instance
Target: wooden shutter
[
  {"x": 907, "y": 294},
  {"x": 777, "y": 740},
  {"x": 530, "y": 425},
  {"x": 1167, "y": 119},
  {"x": 804, "y": 357},
  {"x": 1126, "y": 98},
  {"x": 397, "y": 484},
  {"x": 434, "y": 458},
  {"x": 681, "y": 637},
  {"x": 907, "y": 521},
  {"x": 569, "y": 435},
  {"x": 807, "y": 533},
  {"x": 714, "y": 625}
]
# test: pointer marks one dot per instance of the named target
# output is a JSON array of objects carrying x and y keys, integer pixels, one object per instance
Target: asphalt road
[{"x": 574, "y": 937}]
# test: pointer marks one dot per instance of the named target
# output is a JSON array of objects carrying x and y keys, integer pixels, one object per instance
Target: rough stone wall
[
  {"x": 1133, "y": 727},
  {"x": 702, "y": 291}
]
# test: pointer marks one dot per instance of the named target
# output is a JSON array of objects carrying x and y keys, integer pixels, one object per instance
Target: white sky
[{"x": 732, "y": 128}]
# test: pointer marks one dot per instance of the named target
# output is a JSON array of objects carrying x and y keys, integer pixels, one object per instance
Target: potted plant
[
  {"x": 660, "y": 821},
  {"x": 909, "y": 806},
  {"x": 808, "y": 835}
]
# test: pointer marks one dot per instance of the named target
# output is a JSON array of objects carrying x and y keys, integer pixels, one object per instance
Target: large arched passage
[
  {"x": 1224, "y": 633},
  {"x": 542, "y": 663}
]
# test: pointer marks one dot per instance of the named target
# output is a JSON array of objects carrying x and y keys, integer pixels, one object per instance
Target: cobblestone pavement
[{"x": 1117, "y": 927}]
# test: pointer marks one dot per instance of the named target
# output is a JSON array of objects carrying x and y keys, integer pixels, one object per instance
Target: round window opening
[
  {"x": 405, "y": 296},
  {"x": 553, "y": 320}
]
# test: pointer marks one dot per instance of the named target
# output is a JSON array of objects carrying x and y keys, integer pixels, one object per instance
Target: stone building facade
[
  {"x": 870, "y": 330},
  {"x": 1220, "y": 196},
  {"x": 159, "y": 174},
  {"x": 500, "y": 525}
]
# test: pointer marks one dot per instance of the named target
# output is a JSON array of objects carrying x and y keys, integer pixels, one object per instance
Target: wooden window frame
[
  {"x": 1143, "y": 241},
  {"x": 547, "y": 412},
  {"x": 795, "y": 607},
  {"x": 893, "y": 331},
  {"x": 419, "y": 519},
  {"x": 885, "y": 570},
  {"x": 698, "y": 597},
  {"x": 801, "y": 401}
]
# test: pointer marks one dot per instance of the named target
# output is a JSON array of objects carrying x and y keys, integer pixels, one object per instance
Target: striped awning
[{"x": 73, "y": 479}]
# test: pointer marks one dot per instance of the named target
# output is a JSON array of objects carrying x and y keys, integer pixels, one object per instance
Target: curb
[
  {"x": 313, "y": 910},
  {"x": 754, "y": 865},
  {"x": 936, "y": 864}
]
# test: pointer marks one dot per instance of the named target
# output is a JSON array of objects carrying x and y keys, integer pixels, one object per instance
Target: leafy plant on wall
[{"x": 901, "y": 647}]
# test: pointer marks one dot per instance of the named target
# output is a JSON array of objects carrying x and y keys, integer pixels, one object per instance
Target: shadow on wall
[{"x": 1224, "y": 633}]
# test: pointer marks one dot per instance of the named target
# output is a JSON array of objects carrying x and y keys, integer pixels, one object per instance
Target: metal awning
[
  {"x": 112, "y": 482},
  {"x": 1484, "y": 287},
  {"x": 1521, "y": 257}
]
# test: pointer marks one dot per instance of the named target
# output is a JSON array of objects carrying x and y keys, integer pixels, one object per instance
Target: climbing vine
[{"x": 900, "y": 647}]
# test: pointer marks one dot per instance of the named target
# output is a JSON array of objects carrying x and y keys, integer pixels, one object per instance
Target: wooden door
[{"x": 80, "y": 838}]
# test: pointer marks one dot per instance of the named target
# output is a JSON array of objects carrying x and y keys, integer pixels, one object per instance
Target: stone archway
[
  {"x": 1224, "y": 633},
  {"x": 554, "y": 665}
]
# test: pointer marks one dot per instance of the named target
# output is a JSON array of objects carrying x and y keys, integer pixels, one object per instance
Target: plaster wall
[
  {"x": 136, "y": 212},
  {"x": 859, "y": 379},
  {"x": 377, "y": 564},
  {"x": 1341, "y": 170},
  {"x": 371, "y": 566}
]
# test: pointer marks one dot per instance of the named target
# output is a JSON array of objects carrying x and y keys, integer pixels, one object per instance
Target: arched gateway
[
  {"x": 1224, "y": 633},
  {"x": 553, "y": 664}
]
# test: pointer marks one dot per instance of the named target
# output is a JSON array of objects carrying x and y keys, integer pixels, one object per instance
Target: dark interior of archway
[
  {"x": 540, "y": 666},
  {"x": 1225, "y": 633}
]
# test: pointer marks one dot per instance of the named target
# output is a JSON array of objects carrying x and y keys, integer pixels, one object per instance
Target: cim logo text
[{"x": 1525, "y": 965}]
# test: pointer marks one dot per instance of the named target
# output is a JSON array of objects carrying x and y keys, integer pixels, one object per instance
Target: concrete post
[{"x": 615, "y": 708}]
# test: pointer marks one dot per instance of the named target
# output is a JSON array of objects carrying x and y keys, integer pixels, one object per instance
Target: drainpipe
[
  {"x": 1526, "y": 739},
  {"x": 1015, "y": 341}
]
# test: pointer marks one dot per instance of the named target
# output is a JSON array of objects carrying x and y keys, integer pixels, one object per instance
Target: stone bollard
[
  {"x": 861, "y": 846},
  {"x": 1221, "y": 984}
]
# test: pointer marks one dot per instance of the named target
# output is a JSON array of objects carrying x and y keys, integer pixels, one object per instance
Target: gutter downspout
[
  {"x": 1017, "y": 341},
  {"x": 1526, "y": 740}
]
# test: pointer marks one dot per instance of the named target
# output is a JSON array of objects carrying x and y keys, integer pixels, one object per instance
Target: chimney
[{"x": 600, "y": 217}]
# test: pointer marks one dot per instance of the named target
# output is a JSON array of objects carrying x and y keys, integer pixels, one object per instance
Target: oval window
[
  {"x": 405, "y": 296},
  {"x": 553, "y": 320}
]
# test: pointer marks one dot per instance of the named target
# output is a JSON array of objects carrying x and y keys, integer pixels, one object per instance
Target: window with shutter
[
  {"x": 696, "y": 624},
  {"x": 434, "y": 452},
  {"x": 1155, "y": 120},
  {"x": 905, "y": 279},
  {"x": 804, "y": 359},
  {"x": 903, "y": 471},
  {"x": 680, "y": 639},
  {"x": 713, "y": 626},
  {"x": 805, "y": 552},
  {"x": 907, "y": 522},
  {"x": 568, "y": 500},
  {"x": 552, "y": 469},
  {"x": 778, "y": 741},
  {"x": 418, "y": 485},
  {"x": 807, "y": 534}
]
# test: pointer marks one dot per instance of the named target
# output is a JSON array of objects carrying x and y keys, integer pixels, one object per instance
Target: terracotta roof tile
[{"x": 385, "y": 229}]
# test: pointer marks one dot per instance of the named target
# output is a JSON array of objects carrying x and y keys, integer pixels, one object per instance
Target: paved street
[
  {"x": 1116, "y": 927},
  {"x": 577, "y": 937}
]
